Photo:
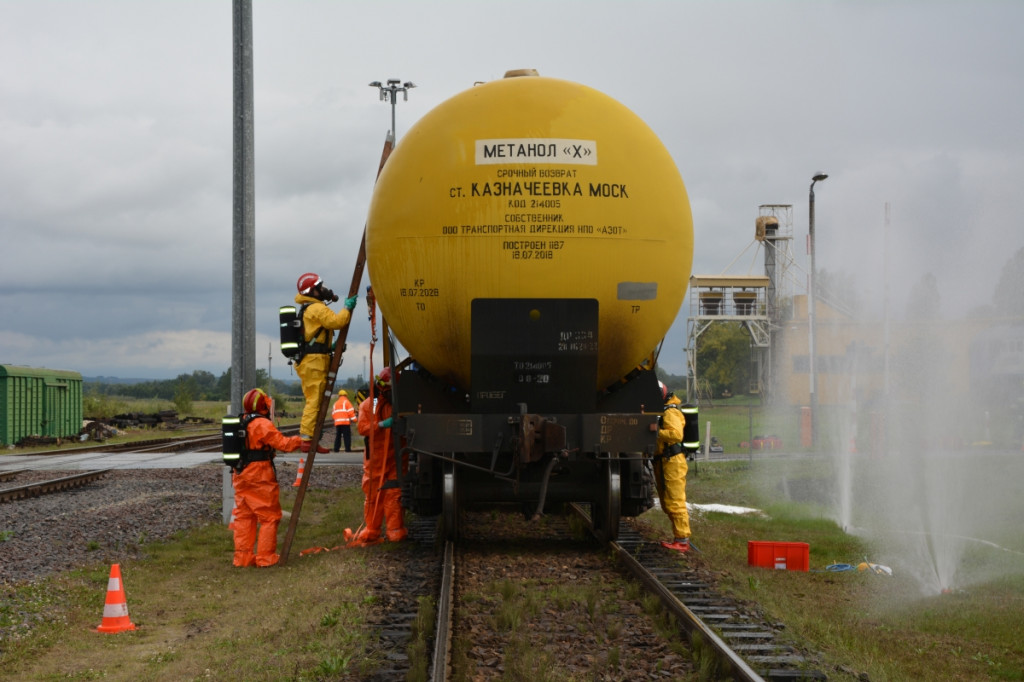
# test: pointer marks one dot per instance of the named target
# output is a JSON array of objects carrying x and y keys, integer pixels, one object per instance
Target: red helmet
[
  {"x": 384, "y": 379},
  {"x": 664, "y": 390},
  {"x": 256, "y": 401},
  {"x": 307, "y": 282}
]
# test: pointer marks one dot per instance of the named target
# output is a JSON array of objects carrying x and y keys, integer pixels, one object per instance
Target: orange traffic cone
[
  {"x": 298, "y": 476},
  {"x": 115, "y": 610}
]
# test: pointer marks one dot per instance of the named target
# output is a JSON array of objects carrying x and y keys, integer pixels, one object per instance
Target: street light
[
  {"x": 389, "y": 93},
  {"x": 818, "y": 177}
]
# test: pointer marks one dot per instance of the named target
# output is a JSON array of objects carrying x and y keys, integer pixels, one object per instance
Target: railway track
[
  {"x": 205, "y": 443},
  {"x": 49, "y": 486},
  {"x": 198, "y": 443},
  {"x": 747, "y": 648},
  {"x": 35, "y": 488},
  {"x": 743, "y": 646},
  {"x": 156, "y": 447}
]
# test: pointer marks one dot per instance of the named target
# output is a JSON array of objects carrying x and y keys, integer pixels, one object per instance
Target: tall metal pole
[
  {"x": 810, "y": 316},
  {"x": 243, "y": 255},
  {"x": 885, "y": 307},
  {"x": 887, "y": 405},
  {"x": 393, "y": 129}
]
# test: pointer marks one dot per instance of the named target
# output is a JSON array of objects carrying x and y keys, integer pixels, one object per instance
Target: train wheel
[
  {"x": 605, "y": 511},
  {"x": 449, "y": 504}
]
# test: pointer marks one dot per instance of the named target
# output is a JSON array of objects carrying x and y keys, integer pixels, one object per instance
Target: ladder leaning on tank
[{"x": 332, "y": 374}]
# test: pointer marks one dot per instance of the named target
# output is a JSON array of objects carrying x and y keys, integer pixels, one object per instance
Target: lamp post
[
  {"x": 389, "y": 93},
  {"x": 818, "y": 177}
]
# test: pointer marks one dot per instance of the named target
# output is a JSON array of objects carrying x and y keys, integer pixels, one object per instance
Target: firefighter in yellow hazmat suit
[
  {"x": 670, "y": 471},
  {"x": 318, "y": 325}
]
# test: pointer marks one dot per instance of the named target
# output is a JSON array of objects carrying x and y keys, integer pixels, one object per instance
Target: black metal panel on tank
[{"x": 537, "y": 351}]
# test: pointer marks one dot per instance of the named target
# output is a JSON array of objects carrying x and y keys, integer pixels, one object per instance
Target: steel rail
[
  {"x": 8, "y": 475},
  {"x": 53, "y": 485},
  {"x": 150, "y": 445},
  {"x": 441, "y": 660},
  {"x": 693, "y": 625}
]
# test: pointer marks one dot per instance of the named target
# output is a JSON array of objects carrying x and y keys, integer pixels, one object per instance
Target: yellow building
[{"x": 925, "y": 357}]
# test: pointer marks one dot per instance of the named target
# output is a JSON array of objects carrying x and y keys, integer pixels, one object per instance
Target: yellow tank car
[{"x": 529, "y": 187}]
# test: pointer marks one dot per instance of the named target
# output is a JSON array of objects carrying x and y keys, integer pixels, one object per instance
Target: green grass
[
  {"x": 883, "y": 626},
  {"x": 107, "y": 406},
  {"x": 738, "y": 421},
  {"x": 198, "y": 617}
]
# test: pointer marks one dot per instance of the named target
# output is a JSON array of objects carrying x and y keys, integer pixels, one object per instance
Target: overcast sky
[{"x": 116, "y": 148}]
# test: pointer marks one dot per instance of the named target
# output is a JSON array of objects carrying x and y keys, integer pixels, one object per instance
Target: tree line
[{"x": 203, "y": 385}]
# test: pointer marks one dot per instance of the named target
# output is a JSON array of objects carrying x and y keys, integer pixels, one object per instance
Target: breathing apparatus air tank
[
  {"x": 691, "y": 429},
  {"x": 529, "y": 187}
]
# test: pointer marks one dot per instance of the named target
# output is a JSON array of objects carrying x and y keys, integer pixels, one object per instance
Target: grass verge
[
  {"x": 884, "y": 626},
  {"x": 198, "y": 617}
]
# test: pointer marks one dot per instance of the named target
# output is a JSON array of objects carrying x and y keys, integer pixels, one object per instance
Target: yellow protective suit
[
  {"x": 257, "y": 497},
  {"x": 312, "y": 370},
  {"x": 670, "y": 471}
]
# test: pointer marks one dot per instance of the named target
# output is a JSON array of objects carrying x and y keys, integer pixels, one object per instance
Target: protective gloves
[
  {"x": 350, "y": 303},
  {"x": 386, "y": 424}
]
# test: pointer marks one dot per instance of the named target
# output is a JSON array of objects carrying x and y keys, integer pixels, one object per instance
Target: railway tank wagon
[{"x": 529, "y": 243}]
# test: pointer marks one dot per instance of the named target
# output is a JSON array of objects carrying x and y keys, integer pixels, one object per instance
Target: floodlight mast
[
  {"x": 389, "y": 93},
  {"x": 818, "y": 177}
]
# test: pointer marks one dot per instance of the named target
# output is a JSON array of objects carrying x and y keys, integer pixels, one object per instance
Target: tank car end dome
[{"x": 529, "y": 187}]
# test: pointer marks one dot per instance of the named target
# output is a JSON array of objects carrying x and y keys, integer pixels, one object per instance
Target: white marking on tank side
[{"x": 536, "y": 150}]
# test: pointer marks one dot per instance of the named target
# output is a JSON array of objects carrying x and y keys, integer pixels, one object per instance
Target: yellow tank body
[{"x": 529, "y": 187}]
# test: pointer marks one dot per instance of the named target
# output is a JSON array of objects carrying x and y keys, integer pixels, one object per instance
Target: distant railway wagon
[
  {"x": 39, "y": 402},
  {"x": 529, "y": 243}
]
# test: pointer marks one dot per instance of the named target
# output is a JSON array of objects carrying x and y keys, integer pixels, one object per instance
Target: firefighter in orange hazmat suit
[
  {"x": 257, "y": 495},
  {"x": 318, "y": 323},
  {"x": 670, "y": 471},
  {"x": 380, "y": 506}
]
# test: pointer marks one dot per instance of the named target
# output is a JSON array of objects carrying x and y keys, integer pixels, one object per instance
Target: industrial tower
[{"x": 760, "y": 302}]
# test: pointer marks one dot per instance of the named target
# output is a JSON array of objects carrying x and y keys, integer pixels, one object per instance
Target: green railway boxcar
[{"x": 39, "y": 402}]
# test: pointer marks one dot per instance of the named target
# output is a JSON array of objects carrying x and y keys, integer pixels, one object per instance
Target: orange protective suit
[
  {"x": 257, "y": 497},
  {"x": 379, "y": 467},
  {"x": 312, "y": 370}
]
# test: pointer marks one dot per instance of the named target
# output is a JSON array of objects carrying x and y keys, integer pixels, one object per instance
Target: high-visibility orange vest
[{"x": 343, "y": 412}]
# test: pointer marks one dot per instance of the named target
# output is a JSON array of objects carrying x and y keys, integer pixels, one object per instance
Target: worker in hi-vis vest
[{"x": 344, "y": 414}]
